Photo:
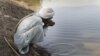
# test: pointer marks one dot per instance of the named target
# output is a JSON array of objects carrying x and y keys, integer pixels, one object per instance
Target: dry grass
[
  {"x": 10, "y": 14},
  {"x": 32, "y": 4}
]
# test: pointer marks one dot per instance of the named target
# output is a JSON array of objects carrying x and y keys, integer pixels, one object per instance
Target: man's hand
[{"x": 48, "y": 22}]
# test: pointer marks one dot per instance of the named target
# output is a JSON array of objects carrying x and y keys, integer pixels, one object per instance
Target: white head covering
[{"x": 46, "y": 12}]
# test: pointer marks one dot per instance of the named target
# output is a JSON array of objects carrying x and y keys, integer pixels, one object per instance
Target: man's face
[{"x": 48, "y": 22}]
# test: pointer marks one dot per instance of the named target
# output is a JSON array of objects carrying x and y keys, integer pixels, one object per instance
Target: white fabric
[
  {"x": 46, "y": 12},
  {"x": 29, "y": 30},
  {"x": 45, "y": 30}
]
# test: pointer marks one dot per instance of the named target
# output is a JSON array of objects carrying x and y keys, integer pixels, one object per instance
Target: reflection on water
[{"x": 79, "y": 26}]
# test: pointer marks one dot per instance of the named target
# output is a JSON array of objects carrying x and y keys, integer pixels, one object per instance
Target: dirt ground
[{"x": 10, "y": 14}]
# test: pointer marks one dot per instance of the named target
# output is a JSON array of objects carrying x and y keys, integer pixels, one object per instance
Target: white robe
[{"x": 30, "y": 30}]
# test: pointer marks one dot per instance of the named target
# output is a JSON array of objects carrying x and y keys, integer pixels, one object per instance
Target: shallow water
[{"x": 78, "y": 26}]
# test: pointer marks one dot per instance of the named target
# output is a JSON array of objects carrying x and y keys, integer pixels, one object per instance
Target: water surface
[{"x": 78, "y": 26}]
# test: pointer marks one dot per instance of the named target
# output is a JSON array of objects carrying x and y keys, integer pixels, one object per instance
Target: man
[{"x": 32, "y": 29}]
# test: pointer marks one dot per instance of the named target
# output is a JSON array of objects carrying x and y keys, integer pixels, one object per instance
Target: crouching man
[{"x": 32, "y": 29}]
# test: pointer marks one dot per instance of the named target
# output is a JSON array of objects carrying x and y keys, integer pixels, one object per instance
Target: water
[
  {"x": 79, "y": 27},
  {"x": 69, "y": 3}
]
